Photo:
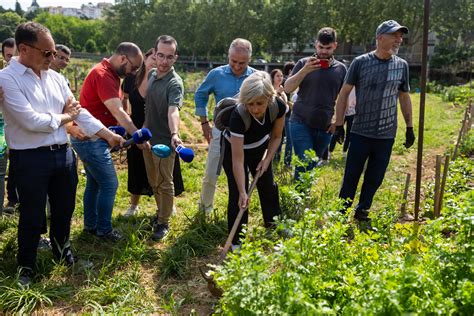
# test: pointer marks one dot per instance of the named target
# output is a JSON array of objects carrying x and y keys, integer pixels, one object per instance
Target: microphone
[
  {"x": 120, "y": 130},
  {"x": 161, "y": 150},
  {"x": 185, "y": 153},
  {"x": 140, "y": 136}
]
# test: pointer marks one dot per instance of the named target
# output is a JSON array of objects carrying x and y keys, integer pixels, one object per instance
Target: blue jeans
[
  {"x": 101, "y": 184},
  {"x": 377, "y": 154},
  {"x": 306, "y": 138}
]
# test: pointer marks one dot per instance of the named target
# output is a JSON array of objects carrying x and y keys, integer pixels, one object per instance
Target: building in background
[{"x": 87, "y": 11}]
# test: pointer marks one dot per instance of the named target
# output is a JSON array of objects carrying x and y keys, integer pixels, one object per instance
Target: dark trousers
[
  {"x": 289, "y": 145},
  {"x": 266, "y": 186},
  {"x": 12, "y": 194},
  {"x": 376, "y": 152},
  {"x": 40, "y": 173}
]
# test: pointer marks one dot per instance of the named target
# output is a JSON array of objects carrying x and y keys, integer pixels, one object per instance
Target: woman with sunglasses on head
[
  {"x": 252, "y": 132},
  {"x": 134, "y": 88}
]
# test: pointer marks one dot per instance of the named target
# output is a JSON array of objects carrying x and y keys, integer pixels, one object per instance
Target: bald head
[
  {"x": 127, "y": 59},
  {"x": 128, "y": 49}
]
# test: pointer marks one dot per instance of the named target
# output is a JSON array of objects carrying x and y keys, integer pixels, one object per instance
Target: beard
[
  {"x": 394, "y": 50},
  {"x": 122, "y": 71}
]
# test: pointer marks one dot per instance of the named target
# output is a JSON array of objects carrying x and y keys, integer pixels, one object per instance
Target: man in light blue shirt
[{"x": 223, "y": 81}]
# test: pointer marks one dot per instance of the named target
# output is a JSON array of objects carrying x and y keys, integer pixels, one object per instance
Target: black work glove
[
  {"x": 409, "y": 137},
  {"x": 339, "y": 134}
]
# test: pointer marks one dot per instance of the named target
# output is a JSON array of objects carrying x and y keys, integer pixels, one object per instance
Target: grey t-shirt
[
  {"x": 317, "y": 94},
  {"x": 161, "y": 94},
  {"x": 377, "y": 84}
]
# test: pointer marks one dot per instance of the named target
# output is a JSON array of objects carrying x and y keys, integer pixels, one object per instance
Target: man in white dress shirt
[{"x": 37, "y": 105}]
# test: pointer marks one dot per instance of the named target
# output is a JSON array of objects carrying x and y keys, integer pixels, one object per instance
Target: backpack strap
[
  {"x": 221, "y": 154},
  {"x": 245, "y": 115},
  {"x": 274, "y": 108}
]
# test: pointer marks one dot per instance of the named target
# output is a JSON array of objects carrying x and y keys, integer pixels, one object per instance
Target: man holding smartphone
[{"x": 319, "y": 79}]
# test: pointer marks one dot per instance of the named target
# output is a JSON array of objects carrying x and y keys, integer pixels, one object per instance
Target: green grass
[{"x": 138, "y": 275}]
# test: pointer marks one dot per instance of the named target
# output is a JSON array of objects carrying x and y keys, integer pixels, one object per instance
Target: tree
[
  {"x": 30, "y": 16},
  {"x": 90, "y": 46},
  {"x": 72, "y": 31},
  {"x": 18, "y": 9},
  {"x": 8, "y": 24}
]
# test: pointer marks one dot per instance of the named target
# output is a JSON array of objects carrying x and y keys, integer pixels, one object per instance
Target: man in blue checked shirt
[{"x": 223, "y": 82}]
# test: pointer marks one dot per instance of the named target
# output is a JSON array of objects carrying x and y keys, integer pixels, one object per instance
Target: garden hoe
[{"x": 211, "y": 284}]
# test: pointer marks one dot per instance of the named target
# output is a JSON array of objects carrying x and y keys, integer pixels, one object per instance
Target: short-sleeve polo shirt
[
  {"x": 161, "y": 94},
  {"x": 101, "y": 84}
]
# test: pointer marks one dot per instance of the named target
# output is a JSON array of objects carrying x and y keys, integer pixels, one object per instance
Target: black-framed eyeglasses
[
  {"x": 134, "y": 68},
  {"x": 161, "y": 56},
  {"x": 46, "y": 53}
]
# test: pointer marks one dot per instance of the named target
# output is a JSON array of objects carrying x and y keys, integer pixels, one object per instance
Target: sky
[{"x": 10, "y": 4}]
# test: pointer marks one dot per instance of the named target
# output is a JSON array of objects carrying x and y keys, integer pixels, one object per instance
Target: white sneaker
[
  {"x": 322, "y": 163},
  {"x": 206, "y": 209},
  {"x": 236, "y": 248},
  {"x": 132, "y": 210}
]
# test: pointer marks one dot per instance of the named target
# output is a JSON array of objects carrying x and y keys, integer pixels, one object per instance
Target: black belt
[{"x": 54, "y": 147}]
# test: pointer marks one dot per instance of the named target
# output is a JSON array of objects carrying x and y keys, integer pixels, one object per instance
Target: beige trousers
[{"x": 160, "y": 176}]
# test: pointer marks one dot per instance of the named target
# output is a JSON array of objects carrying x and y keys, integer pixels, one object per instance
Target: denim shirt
[{"x": 220, "y": 81}]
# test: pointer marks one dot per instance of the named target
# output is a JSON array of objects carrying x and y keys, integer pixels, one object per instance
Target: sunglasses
[
  {"x": 46, "y": 53},
  {"x": 134, "y": 68}
]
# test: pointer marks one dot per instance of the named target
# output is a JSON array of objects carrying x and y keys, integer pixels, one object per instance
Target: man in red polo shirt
[{"x": 102, "y": 97}]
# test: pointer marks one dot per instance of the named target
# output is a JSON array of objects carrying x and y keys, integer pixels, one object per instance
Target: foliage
[
  {"x": 18, "y": 9},
  {"x": 9, "y": 21},
  {"x": 467, "y": 147},
  {"x": 90, "y": 46},
  {"x": 271, "y": 24},
  {"x": 24, "y": 300},
  {"x": 451, "y": 58},
  {"x": 74, "y": 32},
  {"x": 457, "y": 94},
  {"x": 313, "y": 270},
  {"x": 323, "y": 269}
]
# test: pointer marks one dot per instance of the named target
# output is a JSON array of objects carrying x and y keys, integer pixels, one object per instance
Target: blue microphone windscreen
[
  {"x": 141, "y": 135},
  {"x": 186, "y": 154},
  {"x": 120, "y": 130},
  {"x": 161, "y": 150}
]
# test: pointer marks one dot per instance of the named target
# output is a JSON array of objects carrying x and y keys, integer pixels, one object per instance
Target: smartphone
[{"x": 324, "y": 63}]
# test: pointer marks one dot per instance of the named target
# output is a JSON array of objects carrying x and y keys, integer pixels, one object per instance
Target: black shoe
[
  {"x": 9, "y": 208},
  {"x": 44, "y": 244},
  {"x": 362, "y": 215},
  {"x": 26, "y": 276},
  {"x": 91, "y": 231},
  {"x": 68, "y": 258},
  {"x": 112, "y": 236},
  {"x": 160, "y": 231}
]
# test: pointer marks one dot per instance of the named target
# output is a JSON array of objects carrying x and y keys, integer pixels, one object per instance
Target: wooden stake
[
  {"x": 421, "y": 119},
  {"x": 461, "y": 132},
  {"x": 403, "y": 208},
  {"x": 443, "y": 183},
  {"x": 436, "y": 188}
]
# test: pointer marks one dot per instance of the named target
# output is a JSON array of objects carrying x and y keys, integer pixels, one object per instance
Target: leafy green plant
[
  {"x": 397, "y": 268},
  {"x": 25, "y": 299}
]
